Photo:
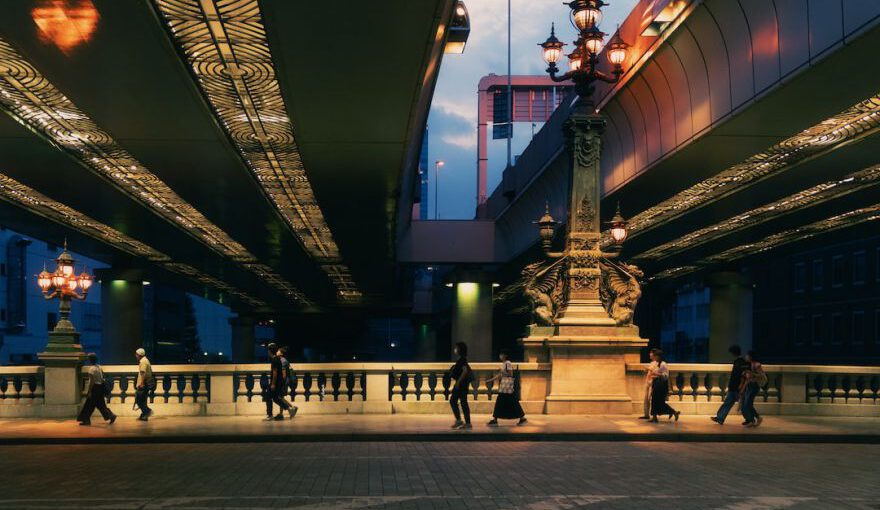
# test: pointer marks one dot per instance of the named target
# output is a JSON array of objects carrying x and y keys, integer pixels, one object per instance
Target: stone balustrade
[
  {"x": 21, "y": 391},
  {"x": 354, "y": 388},
  {"x": 699, "y": 388}
]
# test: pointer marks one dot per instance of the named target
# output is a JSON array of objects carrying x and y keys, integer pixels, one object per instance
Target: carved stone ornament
[
  {"x": 620, "y": 290},
  {"x": 584, "y": 217},
  {"x": 584, "y": 279}
]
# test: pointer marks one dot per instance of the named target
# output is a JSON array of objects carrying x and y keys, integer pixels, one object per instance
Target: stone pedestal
[
  {"x": 588, "y": 353},
  {"x": 62, "y": 381}
]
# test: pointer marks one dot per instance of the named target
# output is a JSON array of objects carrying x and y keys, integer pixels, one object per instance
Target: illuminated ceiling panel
[
  {"x": 845, "y": 127},
  {"x": 17, "y": 193},
  {"x": 809, "y": 197},
  {"x": 847, "y": 219},
  {"x": 35, "y": 103},
  {"x": 225, "y": 43}
]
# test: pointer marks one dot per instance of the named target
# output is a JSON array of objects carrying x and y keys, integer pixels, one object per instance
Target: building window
[
  {"x": 817, "y": 330},
  {"x": 837, "y": 271},
  {"x": 799, "y": 283},
  {"x": 837, "y": 332},
  {"x": 858, "y": 327},
  {"x": 860, "y": 267},
  {"x": 818, "y": 274},
  {"x": 799, "y": 330}
]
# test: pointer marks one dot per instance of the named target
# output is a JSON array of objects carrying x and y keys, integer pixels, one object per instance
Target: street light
[
  {"x": 585, "y": 17},
  {"x": 437, "y": 165},
  {"x": 618, "y": 227},
  {"x": 63, "y": 284}
]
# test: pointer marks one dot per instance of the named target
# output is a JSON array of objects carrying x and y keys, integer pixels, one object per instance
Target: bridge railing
[
  {"x": 21, "y": 391},
  {"x": 699, "y": 388}
]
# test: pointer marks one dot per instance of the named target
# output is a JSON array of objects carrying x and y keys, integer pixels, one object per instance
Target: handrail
[
  {"x": 21, "y": 370},
  {"x": 725, "y": 367},
  {"x": 231, "y": 368}
]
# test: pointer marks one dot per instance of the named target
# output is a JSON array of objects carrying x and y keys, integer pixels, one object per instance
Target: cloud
[{"x": 461, "y": 140}]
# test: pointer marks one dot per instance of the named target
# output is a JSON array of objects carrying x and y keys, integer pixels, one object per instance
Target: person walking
[
  {"x": 461, "y": 375},
  {"x": 733, "y": 385},
  {"x": 95, "y": 395},
  {"x": 649, "y": 381},
  {"x": 277, "y": 386},
  {"x": 507, "y": 406},
  {"x": 754, "y": 378},
  {"x": 660, "y": 387},
  {"x": 285, "y": 367},
  {"x": 144, "y": 385}
]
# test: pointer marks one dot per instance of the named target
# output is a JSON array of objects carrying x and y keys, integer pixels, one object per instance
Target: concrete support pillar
[
  {"x": 243, "y": 338},
  {"x": 730, "y": 314},
  {"x": 472, "y": 318},
  {"x": 122, "y": 315}
]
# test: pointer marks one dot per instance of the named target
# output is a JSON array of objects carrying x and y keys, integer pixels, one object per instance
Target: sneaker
[
  {"x": 716, "y": 420},
  {"x": 457, "y": 424},
  {"x": 112, "y": 419},
  {"x": 268, "y": 417},
  {"x": 143, "y": 417},
  {"x": 292, "y": 411},
  {"x": 278, "y": 418},
  {"x": 85, "y": 423},
  {"x": 750, "y": 425},
  {"x": 466, "y": 426},
  {"x": 677, "y": 414},
  {"x": 522, "y": 421},
  {"x": 493, "y": 422}
]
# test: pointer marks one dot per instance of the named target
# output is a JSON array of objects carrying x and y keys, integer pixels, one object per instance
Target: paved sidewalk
[{"x": 308, "y": 428}]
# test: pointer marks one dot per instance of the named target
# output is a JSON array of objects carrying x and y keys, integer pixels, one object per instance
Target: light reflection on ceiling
[
  {"x": 35, "y": 103},
  {"x": 65, "y": 23},
  {"x": 851, "y": 124},
  {"x": 21, "y": 195},
  {"x": 226, "y": 46},
  {"x": 818, "y": 194}
]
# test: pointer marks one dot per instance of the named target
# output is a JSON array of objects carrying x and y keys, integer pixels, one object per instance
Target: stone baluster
[
  {"x": 714, "y": 387},
  {"x": 675, "y": 381},
  {"x": 812, "y": 392},
  {"x": 704, "y": 386},
  {"x": 329, "y": 390},
  {"x": 131, "y": 381},
  {"x": 39, "y": 389},
  {"x": 396, "y": 388},
  {"x": 424, "y": 386},
  {"x": 299, "y": 393},
  {"x": 853, "y": 394},
  {"x": 186, "y": 394},
  {"x": 826, "y": 394},
  {"x": 771, "y": 393},
  {"x": 479, "y": 387},
  {"x": 874, "y": 386},
  {"x": 202, "y": 394},
  {"x": 436, "y": 386},
  {"x": 343, "y": 392},
  {"x": 4, "y": 386},
  {"x": 357, "y": 389}
]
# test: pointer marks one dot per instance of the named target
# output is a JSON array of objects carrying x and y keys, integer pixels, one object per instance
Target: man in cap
[{"x": 145, "y": 383}]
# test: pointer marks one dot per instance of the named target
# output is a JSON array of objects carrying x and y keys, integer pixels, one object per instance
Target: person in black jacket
[
  {"x": 461, "y": 376},
  {"x": 733, "y": 392}
]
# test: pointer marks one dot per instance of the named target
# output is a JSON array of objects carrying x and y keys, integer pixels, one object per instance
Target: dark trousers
[
  {"x": 95, "y": 400},
  {"x": 459, "y": 395},
  {"x": 140, "y": 398},
  {"x": 748, "y": 404},
  {"x": 731, "y": 398},
  {"x": 659, "y": 393},
  {"x": 276, "y": 396}
]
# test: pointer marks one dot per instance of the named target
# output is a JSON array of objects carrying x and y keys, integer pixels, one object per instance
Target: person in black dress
[
  {"x": 507, "y": 406},
  {"x": 461, "y": 376},
  {"x": 660, "y": 387}
]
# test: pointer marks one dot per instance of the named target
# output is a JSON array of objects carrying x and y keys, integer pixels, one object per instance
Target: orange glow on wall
[{"x": 65, "y": 23}]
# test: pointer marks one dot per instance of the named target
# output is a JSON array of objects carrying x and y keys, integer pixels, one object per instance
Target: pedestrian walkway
[{"x": 435, "y": 428}]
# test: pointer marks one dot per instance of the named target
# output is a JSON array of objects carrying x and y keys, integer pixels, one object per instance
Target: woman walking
[
  {"x": 660, "y": 387},
  {"x": 754, "y": 378},
  {"x": 507, "y": 406},
  {"x": 95, "y": 395},
  {"x": 461, "y": 375}
]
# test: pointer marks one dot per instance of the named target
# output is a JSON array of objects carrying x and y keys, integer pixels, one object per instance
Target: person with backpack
[
  {"x": 754, "y": 378},
  {"x": 660, "y": 387},
  {"x": 277, "y": 386},
  {"x": 96, "y": 394},
  {"x": 144, "y": 385},
  {"x": 461, "y": 375},
  {"x": 507, "y": 406},
  {"x": 733, "y": 385}
]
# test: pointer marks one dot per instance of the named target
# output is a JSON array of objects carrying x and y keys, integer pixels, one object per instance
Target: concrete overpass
[{"x": 258, "y": 151}]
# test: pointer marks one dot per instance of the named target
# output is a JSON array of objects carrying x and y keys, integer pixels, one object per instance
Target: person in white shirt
[
  {"x": 660, "y": 387},
  {"x": 95, "y": 394},
  {"x": 144, "y": 385}
]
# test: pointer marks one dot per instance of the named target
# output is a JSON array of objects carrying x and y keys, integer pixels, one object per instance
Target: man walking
[
  {"x": 96, "y": 394},
  {"x": 277, "y": 386},
  {"x": 145, "y": 383},
  {"x": 733, "y": 384}
]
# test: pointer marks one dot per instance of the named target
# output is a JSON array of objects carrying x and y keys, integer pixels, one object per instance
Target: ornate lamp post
[{"x": 62, "y": 284}]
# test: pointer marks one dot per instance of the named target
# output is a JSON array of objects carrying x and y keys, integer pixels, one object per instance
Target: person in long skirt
[
  {"x": 507, "y": 406},
  {"x": 95, "y": 397},
  {"x": 754, "y": 378},
  {"x": 660, "y": 388}
]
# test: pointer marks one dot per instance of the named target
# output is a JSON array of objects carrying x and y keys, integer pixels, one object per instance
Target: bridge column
[
  {"x": 472, "y": 317},
  {"x": 122, "y": 314},
  {"x": 243, "y": 337},
  {"x": 730, "y": 314}
]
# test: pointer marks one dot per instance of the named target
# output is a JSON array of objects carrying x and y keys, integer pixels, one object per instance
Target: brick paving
[{"x": 430, "y": 475}]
